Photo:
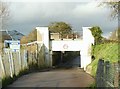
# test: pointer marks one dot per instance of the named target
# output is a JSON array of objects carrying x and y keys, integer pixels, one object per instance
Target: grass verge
[{"x": 107, "y": 52}]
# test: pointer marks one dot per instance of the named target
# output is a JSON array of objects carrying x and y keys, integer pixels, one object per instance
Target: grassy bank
[{"x": 108, "y": 52}]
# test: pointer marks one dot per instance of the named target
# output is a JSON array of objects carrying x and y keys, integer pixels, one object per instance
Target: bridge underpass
[
  {"x": 66, "y": 59},
  {"x": 64, "y": 51}
]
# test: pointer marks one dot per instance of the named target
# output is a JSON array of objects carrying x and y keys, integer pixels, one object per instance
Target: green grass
[
  {"x": 107, "y": 52},
  {"x": 6, "y": 81},
  {"x": 9, "y": 80},
  {"x": 92, "y": 86}
]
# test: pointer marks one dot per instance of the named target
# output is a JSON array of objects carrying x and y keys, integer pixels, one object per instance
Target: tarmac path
[{"x": 62, "y": 77}]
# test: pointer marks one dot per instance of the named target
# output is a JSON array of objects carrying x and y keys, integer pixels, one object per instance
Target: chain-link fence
[{"x": 108, "y": 74}]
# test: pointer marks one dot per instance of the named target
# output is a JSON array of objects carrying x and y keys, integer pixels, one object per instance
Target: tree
[
  {"x": 114, "y": 35},
  {"x": 96, "y": 32},
  {"x": 4, "y": 13},
  {"x": 60, "y": 27},
  {"x": 114, "y": 6},
  {"x": 31, "y": 37}
]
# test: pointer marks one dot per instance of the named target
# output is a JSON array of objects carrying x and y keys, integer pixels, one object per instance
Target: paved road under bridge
[{"x": 69, "y": 76}]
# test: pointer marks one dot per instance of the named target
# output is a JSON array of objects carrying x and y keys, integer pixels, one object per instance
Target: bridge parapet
[{"x": 66, "y": 45}]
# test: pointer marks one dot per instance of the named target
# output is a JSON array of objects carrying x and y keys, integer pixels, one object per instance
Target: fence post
[
  {"x": 119, "y": 73},
  {"x": 100, "y": 73},
  {"x": 25, "y": 58},
  {"x": 107, "y": 74},
  {"x": 10, "y": 63},
  {"x": 116, "y": 75},
  {"x": 2, "y": 67},
  {"x": 2, "y": 71},
  {"x": 20, "y": 63}
]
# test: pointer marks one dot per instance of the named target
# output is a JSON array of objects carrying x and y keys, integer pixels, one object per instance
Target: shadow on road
[{"x": 74, "y": 63}]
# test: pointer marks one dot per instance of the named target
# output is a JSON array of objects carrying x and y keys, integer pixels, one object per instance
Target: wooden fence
[
  {"x": 13, "y": 63},
  {"x": 108, "y": 74}
]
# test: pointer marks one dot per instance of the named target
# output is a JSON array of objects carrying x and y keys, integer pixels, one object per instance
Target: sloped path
[{"x": 73, "y": 77}]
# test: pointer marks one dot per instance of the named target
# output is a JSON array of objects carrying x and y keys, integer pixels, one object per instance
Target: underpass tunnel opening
[
  {"x": 67, "y": 58},
  {"x": 56, "y": 58}
]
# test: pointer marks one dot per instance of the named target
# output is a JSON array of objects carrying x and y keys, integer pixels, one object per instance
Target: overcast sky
[{"x": 25, "y": 16}]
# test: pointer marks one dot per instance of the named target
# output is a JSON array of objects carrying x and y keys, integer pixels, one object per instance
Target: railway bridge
[{"x": 82, "y": 45}]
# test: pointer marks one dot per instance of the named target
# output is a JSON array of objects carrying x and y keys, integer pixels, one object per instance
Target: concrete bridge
[{"x": 82, "y": 45}]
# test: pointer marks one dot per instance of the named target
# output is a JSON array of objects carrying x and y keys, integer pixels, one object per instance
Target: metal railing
[{"x": 72, "y": 35}]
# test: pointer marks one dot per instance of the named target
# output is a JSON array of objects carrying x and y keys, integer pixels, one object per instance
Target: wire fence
[{"x": 108, "y": 74}]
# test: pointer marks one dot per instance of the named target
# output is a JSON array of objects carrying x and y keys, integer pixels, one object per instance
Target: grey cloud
[{"x": 26, "y": 16}]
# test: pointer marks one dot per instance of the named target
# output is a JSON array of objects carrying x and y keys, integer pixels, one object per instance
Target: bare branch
[
  {"x": 4, "y": 14},
  {"x": 113, "y": 5}
]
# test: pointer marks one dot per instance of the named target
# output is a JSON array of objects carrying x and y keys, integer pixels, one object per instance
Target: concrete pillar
[
  {"x": 82, "y": 59},
  {"x": 88, "y": 40},
  {"x": 45, "y": 40},
  {"x": 51, "y": 53}
]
